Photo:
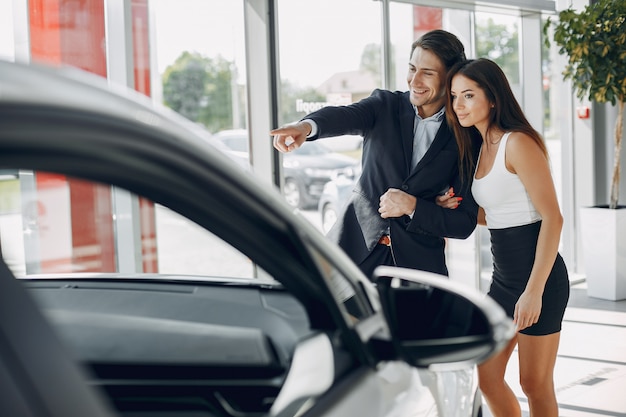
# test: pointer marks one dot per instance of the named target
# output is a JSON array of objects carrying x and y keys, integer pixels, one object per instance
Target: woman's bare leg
[
  {"x": 499, "y": 397},
  {"x": 537, "y": 357}
]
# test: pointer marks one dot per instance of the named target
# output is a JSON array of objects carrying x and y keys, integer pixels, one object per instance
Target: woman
[{"x": 514, "y": 188}]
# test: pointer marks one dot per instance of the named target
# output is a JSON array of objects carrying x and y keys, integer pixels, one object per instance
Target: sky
[{"x": 193, "y": 25}]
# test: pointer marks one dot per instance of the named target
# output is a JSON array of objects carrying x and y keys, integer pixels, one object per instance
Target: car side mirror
[{"x": 433, "y": 320}]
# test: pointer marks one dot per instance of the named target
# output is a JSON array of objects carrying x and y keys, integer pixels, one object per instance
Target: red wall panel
[
  {"x": 70, "y": 32},
  {"x": 426, "y": 19}
]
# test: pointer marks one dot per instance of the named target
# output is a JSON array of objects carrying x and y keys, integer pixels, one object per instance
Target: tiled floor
[{"x": 590, "y": 375}]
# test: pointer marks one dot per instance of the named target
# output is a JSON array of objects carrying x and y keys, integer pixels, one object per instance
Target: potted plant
[{"x": 594, "y": 40}]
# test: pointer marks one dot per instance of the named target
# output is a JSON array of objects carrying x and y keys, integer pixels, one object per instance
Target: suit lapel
[
  {"x": 407, "y": 120},
  {"x": 441, "y": 139}
]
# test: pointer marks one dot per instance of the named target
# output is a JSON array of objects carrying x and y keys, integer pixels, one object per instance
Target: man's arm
[
  {"x": 439, "y": 221},
  {"x": 427, "y": 217},
  {"x": 291, "y": 137}
]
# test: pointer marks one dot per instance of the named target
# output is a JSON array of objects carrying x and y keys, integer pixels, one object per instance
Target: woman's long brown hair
[{"x": 506, "y": 115}]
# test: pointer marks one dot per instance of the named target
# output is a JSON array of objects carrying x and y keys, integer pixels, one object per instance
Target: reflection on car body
[
  {"x": 306, "y": 169},
  {"x": 200, "y": 292}
]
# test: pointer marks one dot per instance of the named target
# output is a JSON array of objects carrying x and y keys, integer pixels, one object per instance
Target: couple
[{"x": 453, "y": 151}]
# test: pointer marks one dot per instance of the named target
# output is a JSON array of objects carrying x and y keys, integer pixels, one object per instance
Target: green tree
[
  {"x": 199, "y": 88},
  {"x": 594, "y": 41},
  {"x": 499, "y": 43}
]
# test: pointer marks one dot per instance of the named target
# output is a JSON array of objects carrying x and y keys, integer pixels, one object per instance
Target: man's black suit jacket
[{"x": 385, "y": 120}]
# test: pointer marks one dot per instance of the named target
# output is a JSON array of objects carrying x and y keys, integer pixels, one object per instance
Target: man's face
[{"x": 426, "y": 79}]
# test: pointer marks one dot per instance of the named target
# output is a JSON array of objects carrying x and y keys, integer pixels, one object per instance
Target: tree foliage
[
  {"x": 594, "y": 40},
  {"x": 200, "y": 89},
  {"x": 499, "y": 43}
]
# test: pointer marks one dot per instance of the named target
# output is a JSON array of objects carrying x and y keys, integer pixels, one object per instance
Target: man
[{"x": 409, "y": 157}]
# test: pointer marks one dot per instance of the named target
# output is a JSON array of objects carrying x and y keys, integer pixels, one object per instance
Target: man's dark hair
[{"x": 444, "y": 44}]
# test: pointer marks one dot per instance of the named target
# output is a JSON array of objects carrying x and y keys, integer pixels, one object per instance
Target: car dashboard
[{"x": 161, "y": 349}]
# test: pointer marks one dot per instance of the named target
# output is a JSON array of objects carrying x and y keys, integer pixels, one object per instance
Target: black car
[
  {"x": 145, "y": 274},
  {"x": 306, "y": 170}
]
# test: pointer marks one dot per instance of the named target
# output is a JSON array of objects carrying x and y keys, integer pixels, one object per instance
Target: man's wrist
[
  {"x": 313, "y": 126},
  {"x": 414, "y": 207}
]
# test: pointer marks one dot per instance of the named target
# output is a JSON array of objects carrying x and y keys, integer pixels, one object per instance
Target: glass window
[
  {"x": 186, "y": 248},
  {"x": 12, "y": 224},
  {"x": 200, "y": 55},
  {"x": 43, "y": 231},
  {"x": 409, "y": 22},
  {"x": 552, "y": 86},
  {"x": 497, "y": 38},
  {"x": 338, "y": 62},
  {"x": 47, "y": 226},
  {"x": 555, "y": 92}
]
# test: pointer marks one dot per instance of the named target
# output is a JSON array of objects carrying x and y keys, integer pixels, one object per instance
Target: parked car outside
[
  {"x": 240, "y": 157},
  {"x": 335, "y": 195},
  {"x": 343, "y": 143},
  {"x": 306, "y": 169},
  {"x": 201, "y": 292}
]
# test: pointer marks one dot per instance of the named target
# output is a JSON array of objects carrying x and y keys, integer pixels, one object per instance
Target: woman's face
[{"x": 470, "y": 103}]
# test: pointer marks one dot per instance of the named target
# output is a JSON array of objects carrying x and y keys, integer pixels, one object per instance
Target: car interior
[
  {"x": 177, "y": 347},
  {"x": 203, "y": 336}
]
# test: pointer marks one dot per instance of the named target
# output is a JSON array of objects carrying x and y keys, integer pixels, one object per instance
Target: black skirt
[{"x": 513, "y": 251}]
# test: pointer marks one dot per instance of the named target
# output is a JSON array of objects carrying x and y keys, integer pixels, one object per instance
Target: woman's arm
[
  {"x": 524, "y": 158},
  {"x": 482, "y": 219},
  {"x": 451, "y": 201}
]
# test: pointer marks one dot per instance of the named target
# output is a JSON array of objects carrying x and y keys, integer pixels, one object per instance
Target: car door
[
  {"x": 64, "y": 125},
  {"x": 350, "y": 359}
]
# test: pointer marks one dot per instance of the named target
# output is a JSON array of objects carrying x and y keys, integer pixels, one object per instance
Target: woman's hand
[
  {"x": 527, "y": 309},
  {"x": 448, "y": 200}
]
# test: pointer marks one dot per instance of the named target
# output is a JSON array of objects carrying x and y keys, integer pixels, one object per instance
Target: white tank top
[{"x": 502, "y": 195}]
